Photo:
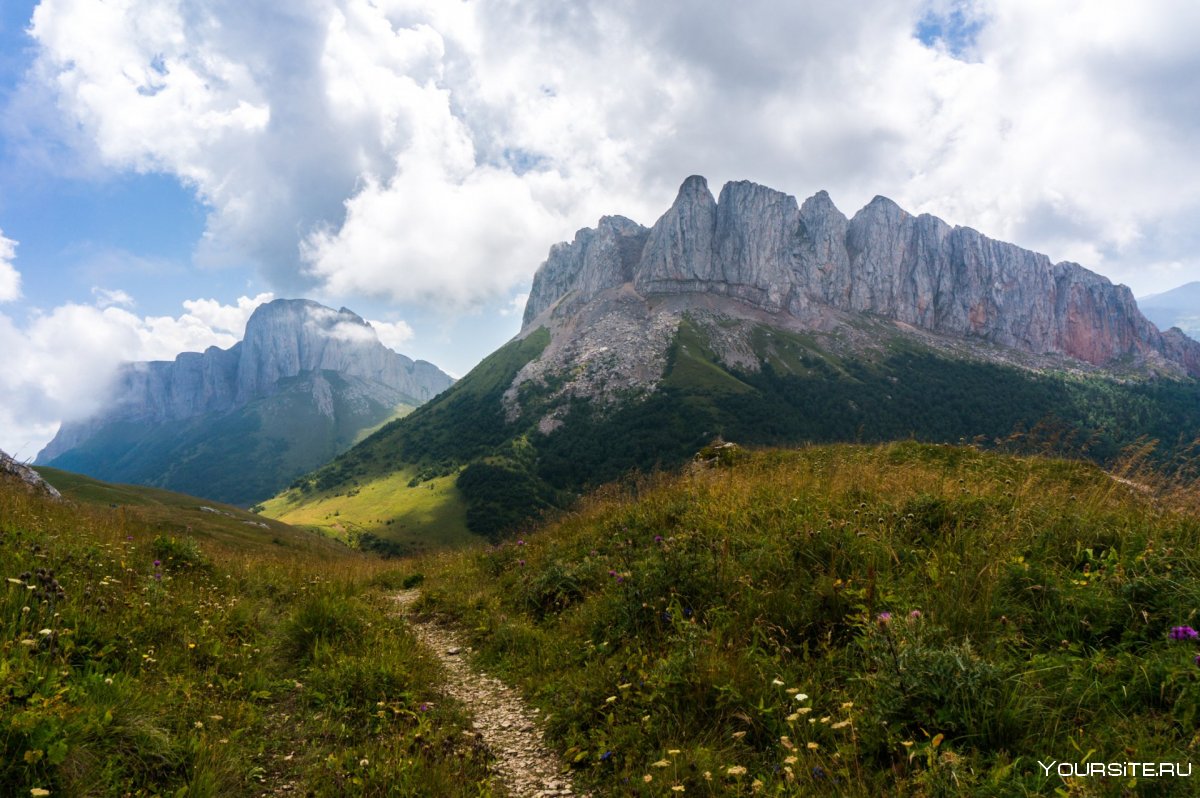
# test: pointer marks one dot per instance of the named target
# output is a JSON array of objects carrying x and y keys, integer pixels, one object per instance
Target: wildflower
[
  {"x": 658, "y": 538},
  {"x": 738, "y": 735},
  {"x": 157, "y": 563},
  {"x": 1197, "y": 660},
  {"x": 841, "y": 724},
  {"x": 199, "y": 724},
  {"x": 848, "y": 705},
  {"x": 801, "y": 697},
  {"x": 736, "y": 770},
  {"x": 883, "y": 617},
  {"x": 662, "y": 763},
  {"x": 607, "y": 755},
  {"x": 46, "y": 632},
  {"x": 786, "y": 742},
  {"x": 625, "y": 686},
  {"x": 108, "y": 680},
  {"x": 362, "y": 763},
  {"x": 1184, "y": 633},
  {"x": 520, "y": 543},
  {"x": 15, "y": 581},
  {"x": 813, "y": 746},
  {"x": 756, "y": 786},
  {"x": 39, "y": 791},
  {"x": 792, "y": 718},
  {"x": 915, "y": 614},
  {"x": 673, "y": 751},
  {"x": 647, "y": 778},
  {"x": 678, "y": 788},
  {"x": 708, "y": 775},
  {"x": 777, "y": 682},
  {"x": 521, "y": 563},
  {"x": 791, "y": 760},
  {"x": 907, "y": 743},
  {"x": 424, "y": 707},
  {"x": 611, "y": 699}
]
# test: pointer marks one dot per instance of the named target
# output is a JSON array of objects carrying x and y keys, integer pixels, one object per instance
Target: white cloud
[
  {"x": 393, "y": 334},
  {"x": 515, "y": 306},
  {"x": 226, "y": 318},
  {"x": 426, "y": 151},
  {"x": 10, "y": 278},
  {"x": 106, "y": 297},
  {"x": 60, "y": 365}
]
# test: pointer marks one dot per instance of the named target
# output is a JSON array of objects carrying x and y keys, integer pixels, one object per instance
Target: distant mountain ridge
[
  {"x": 176, "y": 424},
  {"x": 770, "y": 322},
  {"x": 1179, "y": 307}
]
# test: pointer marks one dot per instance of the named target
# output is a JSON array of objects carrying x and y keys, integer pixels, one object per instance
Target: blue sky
[{"x": 164, "y": 167}]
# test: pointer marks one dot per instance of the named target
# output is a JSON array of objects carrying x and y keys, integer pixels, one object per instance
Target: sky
[{"x": 168, "y": 165}]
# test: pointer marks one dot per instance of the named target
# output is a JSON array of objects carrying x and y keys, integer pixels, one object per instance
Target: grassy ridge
[
  {"x": 410, "y": 515},
  {"x": 139, "y": 662},
  {"x": 851, "y": 620},
  {"x": 508, "y": 471}
]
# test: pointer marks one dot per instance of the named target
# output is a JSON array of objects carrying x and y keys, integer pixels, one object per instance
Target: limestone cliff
[{"x": 761, "y": 248}]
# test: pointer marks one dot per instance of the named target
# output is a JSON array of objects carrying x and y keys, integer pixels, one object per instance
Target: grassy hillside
[
  {"x": 240, "y": 457},
  {"x": 176, "y": 514},
  {"x": 138, "y": 660},
  {"x": 905, "y": 619},
  {"x": 395, "y": 513},
  {"x": 508, "y": 472}
]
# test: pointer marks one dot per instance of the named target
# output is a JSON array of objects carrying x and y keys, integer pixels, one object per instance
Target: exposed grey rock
[
  {"x": 31, "y": 479},
  {"x": 284, "y": 338},
  {"x": 808, "y": 262}
]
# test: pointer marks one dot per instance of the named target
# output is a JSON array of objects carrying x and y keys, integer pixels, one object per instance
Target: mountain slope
[
  {"x": 769, "y": 322},
  {"x": 239, "y": 424},
  {"x": 1179, "y": 307},
  {"x": 849, "y": 620}
]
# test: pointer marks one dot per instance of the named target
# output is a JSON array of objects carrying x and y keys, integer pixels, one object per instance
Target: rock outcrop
[
  {"x": 760, "y": 247},
  {"x": 12, "y": 470}
]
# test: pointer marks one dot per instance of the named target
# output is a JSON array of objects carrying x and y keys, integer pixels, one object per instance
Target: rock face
[
  {"x": 284, "y": 339},
  {"x": 32, "y": 480},
  {"x": 759, "y": 247}
]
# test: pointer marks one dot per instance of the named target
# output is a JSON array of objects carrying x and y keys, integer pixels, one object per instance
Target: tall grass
[
  {"x": 851, "y": 620},
  {"x": 137, "y": 662}
]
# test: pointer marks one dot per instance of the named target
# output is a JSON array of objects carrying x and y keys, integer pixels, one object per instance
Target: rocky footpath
[{"x": 509, "y": 728}]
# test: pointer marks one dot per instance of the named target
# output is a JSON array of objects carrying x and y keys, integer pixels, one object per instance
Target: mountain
[
  {"x": 238, "y": 424},
  {"x": 1179, "y": 307},
  {"x": 767, "y": 321}
]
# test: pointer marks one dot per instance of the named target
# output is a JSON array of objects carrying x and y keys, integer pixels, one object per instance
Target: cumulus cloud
[
  {"x": 424, "y": 151},
  {"x": 10, "y": 278},
  {"x": 393, "y": 334},
  {"x": 60, "y": 365}
]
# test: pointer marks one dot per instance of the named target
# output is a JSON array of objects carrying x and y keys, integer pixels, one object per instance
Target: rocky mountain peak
[
  {"x": 757, "y": 246},
  {"x": 284, "y": 338}
]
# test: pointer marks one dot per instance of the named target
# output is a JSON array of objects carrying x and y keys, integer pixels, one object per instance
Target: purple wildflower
[
  {"x": 612, "y": 573},
  {"x": 883, "y": 617},
  {"x": 424, "y": 707},
  {"x": 157, "y": 563},
  {"x": 521, "y": 563},
  {"x": 1184, "y": 633},
  {"x": 158, "y": 577},
  {"x": 1197, "y": 660},
  {"x": 658, "y": 538},
  {"x": 520, "y": 543},
  {"x": 915, "y": 614}
]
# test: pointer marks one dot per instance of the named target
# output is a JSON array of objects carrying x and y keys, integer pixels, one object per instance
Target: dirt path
[{"x": 508, "y": 727}]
